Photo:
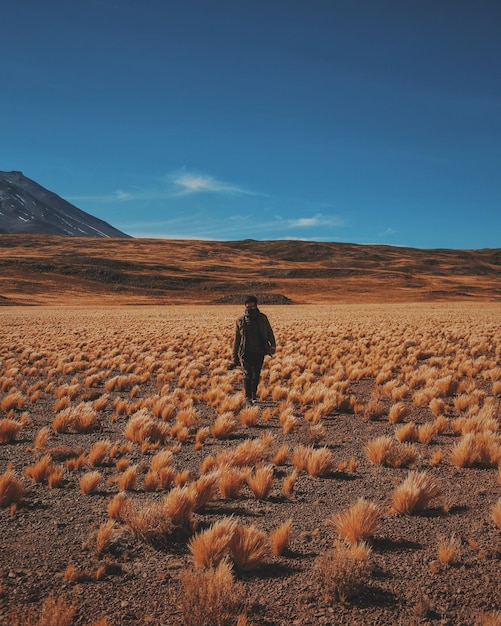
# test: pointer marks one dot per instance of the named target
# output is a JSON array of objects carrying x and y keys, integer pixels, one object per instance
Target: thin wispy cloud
[
  {"x": 190, "y": 183},
  {"x": 173, "y": 185},
  {"x": 315, "y": 221}
]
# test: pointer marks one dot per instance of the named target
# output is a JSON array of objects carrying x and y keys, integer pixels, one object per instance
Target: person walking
[{"x": 254, "y": 339}]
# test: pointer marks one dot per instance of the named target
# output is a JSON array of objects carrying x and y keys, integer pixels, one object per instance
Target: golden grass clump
[
  {"x": 261, "y": 481},
  {"x": 407, "y": 433},
  {"x": 281, "y": 456},
  {"x": 344, "y": 571},
  {"x": 231, "y": 482},
  {"x": 448, "y": 549},
  {"x": 106, "y": 535},
  {"x": 54, "y": 611},
  {"x": 11, "y": 489},
  {"x": 204, "y": 489},
  {"x": 249, "y": 415},
  {"x": 289, "y": 483},
  {"x": 14, "y": 400},
  {"x": 415, "y": 493},
  {"x": 482, "y": 449},
  {"x": 98, "y": 452},
  {"x": 224, "y": 425},
  {"x": 320, "y": 462},
  {"x": 90, "y": 481},
  {"x": 359, "y": 522},
  {"x": 45, "y": 471},
  {"x": 41, "y": 437},
  {"x": 9, "y": 430},
  {"x": 398, "y": 412},
  {"x": 179, "y": 504},
  {"x": 82, "y": 418},
  {"x": 211, "y": 596},
  {"x": 148, "y": 523},
  {"x": 280, "y": 538},
  {"x": 386, "y": 451},
  {"x": 142, "y": 426},
  {"x": 127, "y": 480},
  {"x": 374, "y": 409},
  {"x": 248, "y": 547},
  {"x": 210, "y": 546}
]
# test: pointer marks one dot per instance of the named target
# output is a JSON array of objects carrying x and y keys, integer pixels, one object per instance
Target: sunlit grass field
[{"x": 134, "y": 411}]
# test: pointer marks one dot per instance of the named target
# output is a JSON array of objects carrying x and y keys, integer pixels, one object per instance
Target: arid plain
[{"x": 137, "y": 488}]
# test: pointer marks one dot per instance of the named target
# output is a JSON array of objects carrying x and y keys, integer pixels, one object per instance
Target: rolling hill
[{"x": 41, "y": 269}]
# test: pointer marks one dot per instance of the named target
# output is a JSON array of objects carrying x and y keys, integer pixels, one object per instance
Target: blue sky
[{"x": 364, "y": 121}]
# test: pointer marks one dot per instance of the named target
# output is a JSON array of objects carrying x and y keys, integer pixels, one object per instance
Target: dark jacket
[{"x": 268, "y": 338}]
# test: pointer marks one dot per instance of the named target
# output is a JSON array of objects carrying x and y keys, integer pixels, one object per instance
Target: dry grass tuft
[
  {"x": 224, "y": 426},
  {"x": 359, "y": 522},
  {"x": 248, "y": 547},
  {"x": 415, "y": 493},
  {"x": 210, "y": 546},
  {"x": 344, "y": 571},
  {"x": 11, "y": 489},
  {"x": 54, "y": 612},
  {"x": 179, "y": 504},
  {"x": 211, "y": 596},
  {"x": 280, "y": 538},
  {"x": 386, "y": 451},
  {"x": 261, "y": 481},
  {"x": 9, "y": 430},
  {"x": 90, "y": 481},
  {"x": 448, "y": 550}
]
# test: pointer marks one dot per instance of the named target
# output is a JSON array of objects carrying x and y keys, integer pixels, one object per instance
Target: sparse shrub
[
  {"x": 14, "y": 400},
  {"x": 248, "y": 415},
  {"x": 344, "y": 571},
  {"x": 415, "y": 493},
  {"x": 204, "y": 489},
  {"x": 281, "y": 456},
  {"x": 482, "y": 449},
  {"x": 359, "y": 522},
  {"x": 106, "y": 535},
  {"x": 210, "y": 596}
]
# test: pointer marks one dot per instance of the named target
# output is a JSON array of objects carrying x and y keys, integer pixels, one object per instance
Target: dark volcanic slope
[
  {"x": 46, "y": 270},
  {"x": 27, "y": 207}
]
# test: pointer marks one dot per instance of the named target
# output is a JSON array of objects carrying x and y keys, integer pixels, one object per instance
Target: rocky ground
[{"x": 139, "y": 582}]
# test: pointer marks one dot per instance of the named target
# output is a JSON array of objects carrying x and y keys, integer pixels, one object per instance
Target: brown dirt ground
[{"x": 52, "y": 527}]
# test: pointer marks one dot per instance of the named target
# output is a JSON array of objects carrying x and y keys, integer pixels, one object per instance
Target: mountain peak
[{"x": 27, "y": 207}]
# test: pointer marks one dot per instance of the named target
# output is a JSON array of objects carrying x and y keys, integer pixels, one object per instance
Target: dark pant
[{"x": 252, "y": 364}]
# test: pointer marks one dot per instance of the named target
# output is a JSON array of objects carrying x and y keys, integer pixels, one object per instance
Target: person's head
[{"x": 251, "y": 302}]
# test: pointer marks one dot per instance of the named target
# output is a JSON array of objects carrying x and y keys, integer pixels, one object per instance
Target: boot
[
  {"x": 254, "y": 391},
  {"x": 248, "y": 389}
]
